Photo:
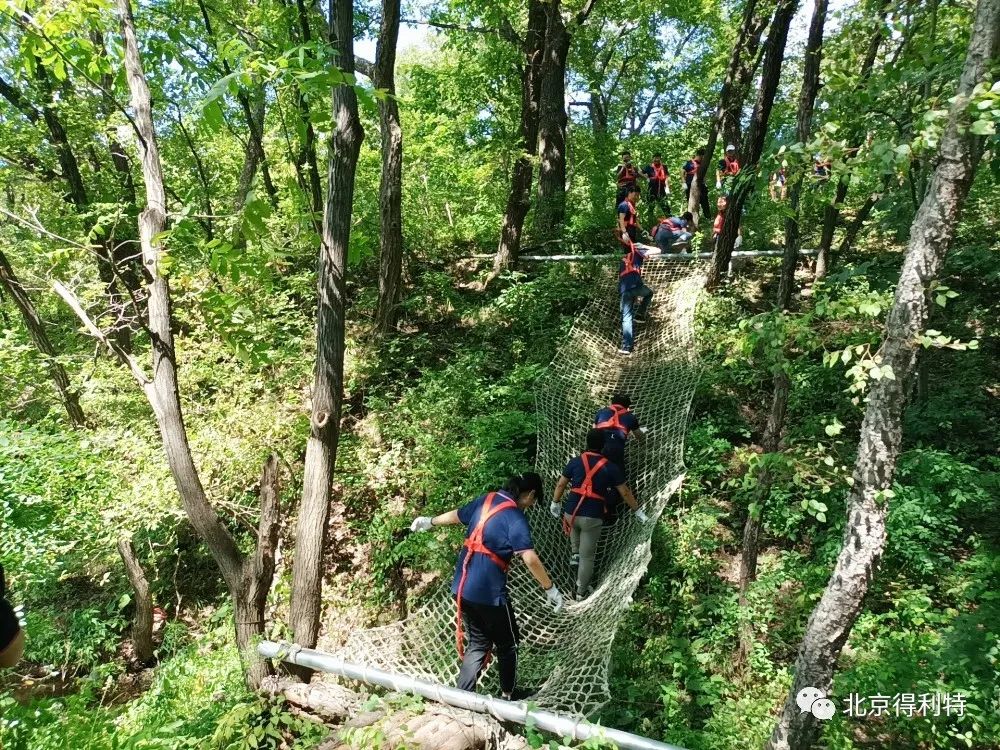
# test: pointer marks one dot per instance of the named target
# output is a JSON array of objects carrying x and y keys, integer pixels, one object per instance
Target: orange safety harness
[
  {"x": 474, "y": 545},
  {"x": 627, "y": 175},
  {"x": 732, "y": 166},
  {"x": 630, "y": 266},
  {"x": 614, "y": 422},
  {"x": 586, "y": 488},
  {"x": 659, "y": 173}
]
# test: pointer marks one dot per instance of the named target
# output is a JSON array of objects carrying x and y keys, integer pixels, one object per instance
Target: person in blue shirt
[
  {"x": 672, "y": 230},
  {"x": 617, "y": 423},
  {"x": 496, "y": 531},
  {"x": 592, "y": 479},
  {"x": 628, "y": 218},
  {"x": 635, "y": 295}
]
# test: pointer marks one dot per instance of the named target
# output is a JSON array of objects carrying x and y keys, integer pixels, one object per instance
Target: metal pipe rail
[
  {"x": 512, "y": 711},
  {"x": 668, "y": 256}
]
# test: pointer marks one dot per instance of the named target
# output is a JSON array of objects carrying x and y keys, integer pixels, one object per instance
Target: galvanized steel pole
[{"x": 514, "y": 711}]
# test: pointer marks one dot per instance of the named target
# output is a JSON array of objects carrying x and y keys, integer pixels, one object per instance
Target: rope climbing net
[{"x": 563, "y": 658}]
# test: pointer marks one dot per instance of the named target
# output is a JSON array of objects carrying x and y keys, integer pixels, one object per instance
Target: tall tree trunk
[
  {"x": 255, "y": 125},
  {"x": 730, "y": 99},
  {"x": 831, "y": 215},
  {"x": 751, "y": 529},
  {"x": 519, "y": 199},
  {"x": 76, "y": 192},
  {"x": 550, "y": 212},
  {"x": 777, "y": 35},
  {"x": 807, "y": 98},
  {"x": 881, "y": 431},
  {"x": 36, "y": 329},
  {"x": 142, "y": 628},
  {"x": 328, "y": 376},
  {"x": 852, "y": 229},
  {"x": 831, "y": 212},
  {"x": 248, "y": 580},
  {"x": 390, "y": 193}
]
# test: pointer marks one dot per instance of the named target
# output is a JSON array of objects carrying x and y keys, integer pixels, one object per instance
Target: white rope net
[{"x": 563, "y": 658}]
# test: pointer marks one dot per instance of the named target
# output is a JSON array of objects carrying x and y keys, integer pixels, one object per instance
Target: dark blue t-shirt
[
  {"x": 630, "y": 219},
  {"x": 506, "y": 533},
  {"x": 631, "y": 280},
  {"x": 608, "y": 477},
  {"x": 656, "y": 188},
  {"x": 614, "y": 440}
]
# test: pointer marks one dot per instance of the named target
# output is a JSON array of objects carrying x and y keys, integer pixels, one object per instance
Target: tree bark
[
  {"x": 257, "y": 575},
  {"x": 777, "y": 35},
  {"x": 519, "y": 199},
  {"x": 730, "y": 98},
  {"x": 36, "y": 329},
  {"x": 881, "y": 431},
  {"x": 248, "y": 580},
  {"x": 765, "y": 479},
  {"x": 390, "y": 194},
  {"x": 142, "y": 628},
  {"x": 831, "y": 215},
  {"x": 550, "y": 212},
  {"x": 807, "y": 98},
  {"x": 327, "y": 392}
]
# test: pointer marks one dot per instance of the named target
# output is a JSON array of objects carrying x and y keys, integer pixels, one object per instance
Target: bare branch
[{"x": 126, "y": 359}]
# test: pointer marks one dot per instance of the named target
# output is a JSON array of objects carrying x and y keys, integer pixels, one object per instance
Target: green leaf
[
  {"x": 834, "y": 428},
  {"x": 984, "y": 127}
]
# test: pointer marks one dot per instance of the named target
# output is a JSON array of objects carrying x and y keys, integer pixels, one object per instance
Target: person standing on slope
[{"x": 496, "y": 531}]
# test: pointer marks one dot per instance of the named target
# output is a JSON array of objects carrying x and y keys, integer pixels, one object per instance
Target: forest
[{"x": 285, "y": 286}]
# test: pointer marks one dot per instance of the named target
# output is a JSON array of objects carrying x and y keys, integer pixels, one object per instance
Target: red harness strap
[
  {"x": 627, "y": 175},
  {"x": 586, "y": 488},
  {"x": 630, "y": 266},
  {"x": 614, "y": 422},
  {"x": 473, "y": 545},
  {"x": 732, "y": 166},
  {"x": 659, "y": 173}
]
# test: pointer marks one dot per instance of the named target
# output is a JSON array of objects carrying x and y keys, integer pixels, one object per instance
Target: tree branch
[
  {"x": 364, "y": 67},
  {"x": 126, "y": 359},
  {"x": 585, "y": 11}
]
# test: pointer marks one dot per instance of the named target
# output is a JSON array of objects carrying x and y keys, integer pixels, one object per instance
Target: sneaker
[
  {"x": 625, "y": 352},
  {"x": 580, "y": 596}
]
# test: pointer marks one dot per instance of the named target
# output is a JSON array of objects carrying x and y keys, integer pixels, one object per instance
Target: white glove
[
  {"x": 555, "y": 598},
  {"x": 642, "y": 517},
  {"x": 555, "y": 509},
  {"x": 421, "y": 524},
  {"x": 625, "y": 237},
  {"x": 668, "y": 189},
  {"x": 718, "y": 185},
  {"x": 19, "y": 614}
]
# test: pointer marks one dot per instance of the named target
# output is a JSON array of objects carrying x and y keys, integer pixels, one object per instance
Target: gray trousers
[{"x": 583, "y": 538}]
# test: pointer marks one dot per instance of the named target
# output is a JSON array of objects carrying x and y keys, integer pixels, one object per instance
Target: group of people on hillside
[
  {"x": 587, "y": 496},
  {"x": 657, "y": 176},
  {"x": 668, "y": 233}
]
